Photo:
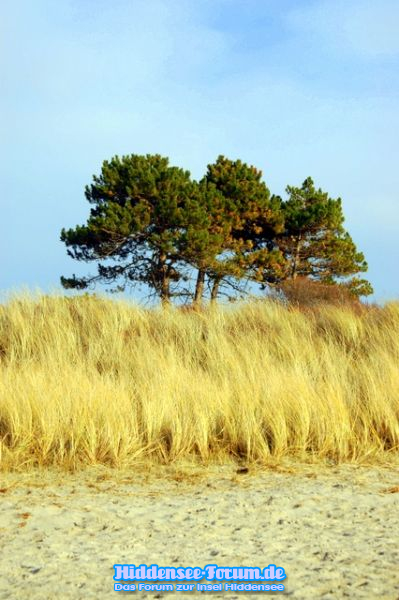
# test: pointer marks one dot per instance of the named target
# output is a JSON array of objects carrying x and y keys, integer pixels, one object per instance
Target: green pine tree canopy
[{"x": 151, "y": 223}]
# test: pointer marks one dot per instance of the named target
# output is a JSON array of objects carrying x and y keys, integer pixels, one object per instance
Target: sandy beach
[{"x": 333, "y": 529}]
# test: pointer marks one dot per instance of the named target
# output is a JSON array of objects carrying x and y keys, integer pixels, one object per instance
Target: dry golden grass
[{"x": 88, "y": 381}]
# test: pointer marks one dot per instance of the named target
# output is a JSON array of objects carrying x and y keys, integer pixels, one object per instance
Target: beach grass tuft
[{"x": 87, "y": 380}]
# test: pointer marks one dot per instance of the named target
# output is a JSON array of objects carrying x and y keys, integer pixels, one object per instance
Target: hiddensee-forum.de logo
[{"x": 245, "y": 576}]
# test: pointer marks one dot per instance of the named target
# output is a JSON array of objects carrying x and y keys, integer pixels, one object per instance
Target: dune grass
[{"x": 87, "y": 380}]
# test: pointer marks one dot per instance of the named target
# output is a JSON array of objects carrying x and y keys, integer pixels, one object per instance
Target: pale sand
[{"x": 335, "y": 530}]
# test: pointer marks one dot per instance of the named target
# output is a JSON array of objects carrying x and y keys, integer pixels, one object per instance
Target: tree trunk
[
  {"x": 215, "y": 289},
  {"x": 165, "y": 281},
  {"x": 199, "y": 288},
  {"x": 295, "y": 263},
  {"x": 165, "y": 293}
]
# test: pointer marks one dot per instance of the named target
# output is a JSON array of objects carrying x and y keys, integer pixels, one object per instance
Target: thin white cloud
[
  {"x": 367, "y": 28},
  {"x": 98, "y": 55}
]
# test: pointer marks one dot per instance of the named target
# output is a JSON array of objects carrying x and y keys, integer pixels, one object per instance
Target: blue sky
[{"x": 304, "y": 88}]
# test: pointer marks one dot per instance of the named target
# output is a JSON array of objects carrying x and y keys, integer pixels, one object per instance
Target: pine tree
[
  {"x": 139, "y": 210},
  {"x": 205, "y": 236},
  {"x": 314, "y": 242},
  {"x": 248, "y": 212}
]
